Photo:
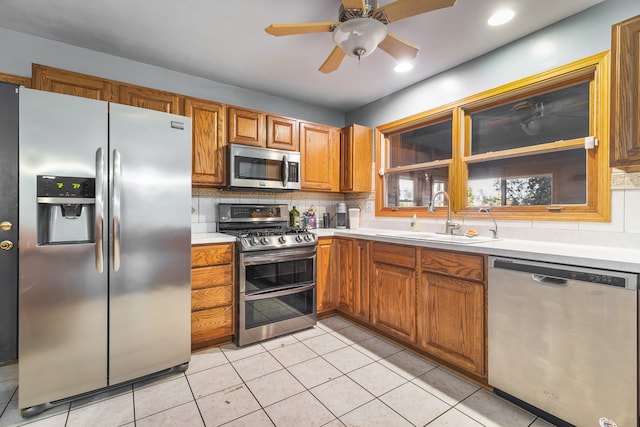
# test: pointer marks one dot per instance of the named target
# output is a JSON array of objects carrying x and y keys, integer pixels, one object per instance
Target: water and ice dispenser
[{"x": 66, "y": 209}]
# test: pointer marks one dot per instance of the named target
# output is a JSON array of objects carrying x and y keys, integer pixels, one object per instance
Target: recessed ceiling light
[
  {"x": 501, "y": 17},
  {"x": 403, "y": 67}
]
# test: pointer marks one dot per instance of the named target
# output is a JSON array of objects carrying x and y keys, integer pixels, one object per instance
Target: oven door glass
[
  {"x": 270, "y": 310},
  {"x": 278, "y": 274}
]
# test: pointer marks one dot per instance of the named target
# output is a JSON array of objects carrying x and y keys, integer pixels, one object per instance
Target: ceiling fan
[{"x": 362, "y": 27}]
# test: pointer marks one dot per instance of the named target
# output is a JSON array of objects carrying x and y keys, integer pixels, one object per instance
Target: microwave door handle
[{"x": 285, "y": 171}]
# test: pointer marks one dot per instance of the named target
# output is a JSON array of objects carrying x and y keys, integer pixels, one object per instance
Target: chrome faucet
[
  {"x": 495, "y": 224},
  {"x": 449, "y": 226}
]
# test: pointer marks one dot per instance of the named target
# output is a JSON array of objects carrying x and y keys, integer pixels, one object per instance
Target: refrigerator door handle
[
  {"x": 101, "y": 172},
  {"x": 117, "y": 189}
]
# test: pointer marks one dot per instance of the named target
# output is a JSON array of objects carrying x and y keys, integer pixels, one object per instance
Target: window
[
  {"x": 418, "y": 162},
  {"x": 519, "y": 149}
]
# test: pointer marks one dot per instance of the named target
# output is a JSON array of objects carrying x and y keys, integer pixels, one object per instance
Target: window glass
[
  {"x": 562, "y": 114},
  {"x": 542, "y": 179},
  {"x": 415, "y": 188},
  {"x": 421, "y": 145}
]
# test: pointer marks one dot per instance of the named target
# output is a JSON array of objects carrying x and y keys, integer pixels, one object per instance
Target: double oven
[{"x": 276, "y": 280}]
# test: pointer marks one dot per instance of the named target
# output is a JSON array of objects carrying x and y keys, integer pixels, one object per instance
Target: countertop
[
  {"x": 204, "y": 238},
  {"x": 603, "y": 257}
]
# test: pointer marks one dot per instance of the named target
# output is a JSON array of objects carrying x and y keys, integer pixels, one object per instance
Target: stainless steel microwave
[{"x": 263, "y": 168}]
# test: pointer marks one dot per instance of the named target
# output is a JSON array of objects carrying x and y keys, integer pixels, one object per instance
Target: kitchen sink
[{"x": 444, "y": 238}]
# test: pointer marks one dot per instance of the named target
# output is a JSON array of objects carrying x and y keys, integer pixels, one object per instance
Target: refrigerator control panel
[{"x": 66, "y": 186}]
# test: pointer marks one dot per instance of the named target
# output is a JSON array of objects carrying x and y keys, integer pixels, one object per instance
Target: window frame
[{"x": 594, "y": 69}]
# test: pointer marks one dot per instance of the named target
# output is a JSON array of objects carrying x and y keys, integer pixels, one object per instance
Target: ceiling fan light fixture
[{"x": 359, "y": 37}]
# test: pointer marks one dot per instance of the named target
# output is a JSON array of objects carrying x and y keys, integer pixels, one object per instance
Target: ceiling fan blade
[
  {"x": 401, "y": 50},
  {"x": 290, "y": 29},
  {"x": 401, "y": 9},
  {"x": 333, "y": 60},
  {"x": 354, "y": 4}
]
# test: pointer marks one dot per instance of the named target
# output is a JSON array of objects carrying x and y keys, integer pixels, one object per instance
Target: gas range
[{"x": 261, "y": 227}]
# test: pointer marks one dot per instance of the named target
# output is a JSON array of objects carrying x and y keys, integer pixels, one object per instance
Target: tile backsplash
[{"x": 622, "y": 231}]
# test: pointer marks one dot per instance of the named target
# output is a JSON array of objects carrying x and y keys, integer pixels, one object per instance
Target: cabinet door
[
  {"x": 355, "y": 159},
  {"x": 212, "y": 294},
  {"x": 151, "y": 99},
  {"x": 208, "y": 149},
  {"x": 360, "y": 273},
  {"x": 393, "y": 300},
  {"x": 246, "y": 127},
  {"x": 625, "y": 95},
  {"x": 282, "y": 133},
  {"x": 451, "y": 321},
  {"x": 345, "y": 257},
  {"x": 326, "y": 278},
  {"x": 70, "y": 83},
  {"x": 320, "y": 153}
]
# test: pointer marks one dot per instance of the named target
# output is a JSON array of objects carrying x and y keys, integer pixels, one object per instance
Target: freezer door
[
  {"x": 150, "y": 263},
  {"x": 62, "y": 294}
]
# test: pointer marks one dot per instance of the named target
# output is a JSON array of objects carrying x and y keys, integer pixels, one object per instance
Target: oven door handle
[
  {"x": 262, "y": 259},
  {"x": 271, "y": 294}
]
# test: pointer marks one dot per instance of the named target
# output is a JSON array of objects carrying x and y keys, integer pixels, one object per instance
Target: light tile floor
[{"x": 332, "y": 375}]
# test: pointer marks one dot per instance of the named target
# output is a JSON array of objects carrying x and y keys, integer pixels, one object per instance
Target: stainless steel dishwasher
[{"x": 564, "y": 339}]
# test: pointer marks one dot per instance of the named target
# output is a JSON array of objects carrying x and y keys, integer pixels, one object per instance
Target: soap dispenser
[{"x": 414, "y": 223}]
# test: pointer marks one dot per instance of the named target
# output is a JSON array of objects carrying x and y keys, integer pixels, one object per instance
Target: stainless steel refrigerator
[{"x": 104, "y": 245}]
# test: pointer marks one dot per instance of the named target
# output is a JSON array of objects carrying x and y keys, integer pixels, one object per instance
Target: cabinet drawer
[
  {"x": 207, "y": 325},
  {"x": 211, "y": 297},
  {"x": 400, "y": 255},
  {"x": 455, "y": 264},
  {"x": 211, "y": 254},
  {"x": 206, "y": 277}
]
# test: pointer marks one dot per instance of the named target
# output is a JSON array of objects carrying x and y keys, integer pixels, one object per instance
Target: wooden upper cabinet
[
  {"x": 246, "y": 127},
  {"x": 282, "y": 133},
  {"x": 19, "y": 80},
  {"x": 356, "y": 147},
  {"x": 320, "y": 157},
  {"x": 625, "y": 95},
  {"x": 71, "y": 83},
  {"x": 208, "y": 149},
  {"x": 151, "y": 99}
]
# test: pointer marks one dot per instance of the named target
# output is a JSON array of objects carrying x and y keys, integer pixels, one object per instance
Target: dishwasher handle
[{"x": 548, "y": 280}]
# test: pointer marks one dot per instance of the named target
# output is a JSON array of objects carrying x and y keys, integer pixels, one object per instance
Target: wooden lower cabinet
[
  {"x": 326, "y": 277},
  {"x": 212, "y": 294},
  {"x": 360, "y": 277},
  {"x": 345, "y": 278},
  {"x": 393, "y": 290},
  {"x": 354, "y": 298},
  {"x": 451, "y": 309}
]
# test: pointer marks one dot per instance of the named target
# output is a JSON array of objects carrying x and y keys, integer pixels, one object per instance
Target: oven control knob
[
  {"x": 264, "y": 240},
  {"x": 298, "y": 238},
  {"x": 282, "y": 239},
  {"x": 253, "y": 241},
  {"x": 307, "y": 238}
]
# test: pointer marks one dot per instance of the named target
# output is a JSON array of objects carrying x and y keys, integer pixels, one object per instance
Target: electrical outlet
[{"x": 368, "y": 206}]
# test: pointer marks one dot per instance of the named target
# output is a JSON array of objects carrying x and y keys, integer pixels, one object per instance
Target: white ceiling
[{"x": 225, "y": 41}]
